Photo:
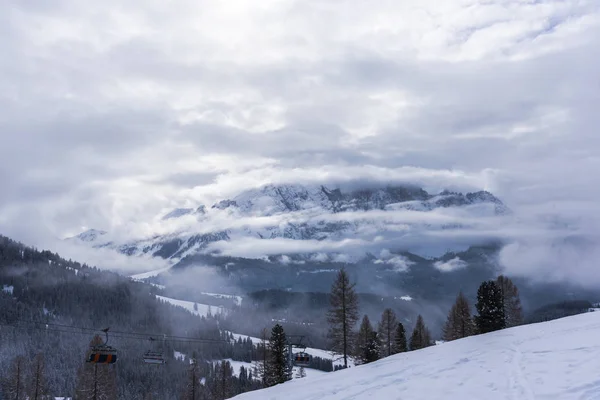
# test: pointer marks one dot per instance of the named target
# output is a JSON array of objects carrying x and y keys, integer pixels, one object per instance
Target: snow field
[
  {"x": 149, "y": 274},
  {"x": 552, "y": 360},
  {"x": 189, "y": 306}
]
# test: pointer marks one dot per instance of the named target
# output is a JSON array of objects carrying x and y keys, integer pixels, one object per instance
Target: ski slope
[
  {"x": 552, "y": 360},
  {"x": 202, "y": 309}
]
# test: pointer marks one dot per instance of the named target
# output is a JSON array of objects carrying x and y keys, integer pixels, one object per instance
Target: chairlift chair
[
  {"x": 153, "y": 357},
  {"x": 103, "y": 353},
  {"x": 302, "y": 359}
]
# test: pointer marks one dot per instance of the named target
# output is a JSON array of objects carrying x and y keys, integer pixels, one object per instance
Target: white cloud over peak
[
  {"x": 113, "y": 113},
  {"x": 450, "y": 265}
]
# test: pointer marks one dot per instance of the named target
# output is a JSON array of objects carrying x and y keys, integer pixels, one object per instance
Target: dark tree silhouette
[
  {"x": 489, "y": 306},
  {"x": 342, "y": 315}
]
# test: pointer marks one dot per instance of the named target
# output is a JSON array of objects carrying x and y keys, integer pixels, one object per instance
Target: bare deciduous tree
[{"x": 342, "y": 315}]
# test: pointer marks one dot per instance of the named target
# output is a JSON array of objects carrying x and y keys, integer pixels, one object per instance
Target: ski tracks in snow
[{"x": 520, "y": 389}]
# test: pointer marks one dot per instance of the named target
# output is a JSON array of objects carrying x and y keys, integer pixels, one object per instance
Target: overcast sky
[{"x": 112, "y": 112}]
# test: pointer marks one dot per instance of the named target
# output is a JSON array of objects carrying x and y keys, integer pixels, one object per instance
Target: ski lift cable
[{"x": 62, "y": 328}]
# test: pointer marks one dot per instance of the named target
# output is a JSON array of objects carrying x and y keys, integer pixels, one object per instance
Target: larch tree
[
  {"x": 387, "y": 331},
  {"x": 400, "y": 343},
  {"x": 420, "y": 337},
  {"x": 342, "y": 315},
  {"x": 489, "y": 307},
  {"x": 38, "y": 385},
  {"x": 96, "y": 381},
  {"x": 511, "y": 302},
  {"x": 15, "y": 387},
  {"x": 278, "y": 368},
  {"x": 260, "y": 366},
  {"x": 459, "y": 323}
]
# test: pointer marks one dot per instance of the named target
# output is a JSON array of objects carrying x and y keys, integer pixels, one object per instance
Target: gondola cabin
[
  {"x": 302, "y": 359},
  {"x": 154, "y": 358},
  {"x": 102, "y": 355}
]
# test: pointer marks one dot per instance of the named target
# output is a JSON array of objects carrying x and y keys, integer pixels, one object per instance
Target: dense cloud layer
[{"x": 111, "y": 114}]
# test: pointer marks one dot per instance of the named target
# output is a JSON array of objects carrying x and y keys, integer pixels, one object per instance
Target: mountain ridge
[{"x": 300, "y": 213}]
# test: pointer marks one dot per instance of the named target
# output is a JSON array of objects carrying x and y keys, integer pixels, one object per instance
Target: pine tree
[
  {"x": 38, "y": 387},
  {"x": 96, "y": 381},
  {"x": 511, "y": 302},
  {"x": 363, "y": 338},
  {"x": 278, "y": 367},
  {"x": 459, "y": 323},
  {"x": 400, "y": 345},
  {"x": 342, "y": 315},
  {"x": 373, "y": 348},
  {"x": 420, "y": 337},
  {"x": 193, "y": 389},
  {"x": 386, "y": 330},
  {"x": 15, "y": 384},
  {"x": 223, "y": 378},
  {"x": 489, "y": 306}
]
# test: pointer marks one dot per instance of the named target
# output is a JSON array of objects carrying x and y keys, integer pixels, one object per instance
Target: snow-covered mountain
[
  {"x": 307, "y": 220},
  {"x": 551, "y": 360}
]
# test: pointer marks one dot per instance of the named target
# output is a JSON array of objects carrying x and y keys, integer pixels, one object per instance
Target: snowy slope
[
  {"x": 202, "y": 311},
  {"x": 553, "y": 360}
]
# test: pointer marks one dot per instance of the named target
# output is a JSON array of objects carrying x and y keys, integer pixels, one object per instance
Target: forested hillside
[{"x": 54, "y": 307}]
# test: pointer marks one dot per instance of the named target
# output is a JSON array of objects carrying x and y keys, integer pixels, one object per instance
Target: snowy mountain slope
[
  {"x": 202, "y": 309},
  {"x": 552, "y": 360},
  {"x": 324, "y": 220}
]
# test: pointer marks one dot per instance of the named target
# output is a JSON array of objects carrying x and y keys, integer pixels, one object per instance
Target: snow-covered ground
[
  {"x": 309, "y": 372},
  {"x": 237, "y": 299},
  {"x": 336, "y": 358},
  {"x": 552, "y": 360},
  {"x": 202, "y": 309},
  {"x": 149, "y": 274}
]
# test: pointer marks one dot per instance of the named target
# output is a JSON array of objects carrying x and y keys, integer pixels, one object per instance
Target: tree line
[{"x": 498, "y": 307}]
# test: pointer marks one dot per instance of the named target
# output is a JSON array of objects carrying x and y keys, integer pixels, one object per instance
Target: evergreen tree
[
  {"x": 193, "y": 389},
  {"x": 459, "y": 323},
  {"x": 489, "y": 306},
  {"x": 38, "y": 387},
  {"x": 278, "y": 367},
  {"x": 222, "y": 381},
  {"x": 342, "y": 315},
  {"x": 15, "y": 384},
  {"x": 362, "y": 338},
  {"x": 511, "y": 302},
  {"x": 244, "y": 381},
  {"x": 386, "y": 330},
  {"x": 400, "y": 345},
  {"x": 373, "y": 348},
  {"x": 96, "y": 381},
  {"x": 420, "y": 337},
  {"x": 366, "y": 342}
]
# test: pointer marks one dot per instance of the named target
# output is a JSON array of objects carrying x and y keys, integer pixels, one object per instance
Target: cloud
[
  {"x": 112, "y": 114},
  {"x": 398, "y": 263},
  {"x": 450, "y": 265}
]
